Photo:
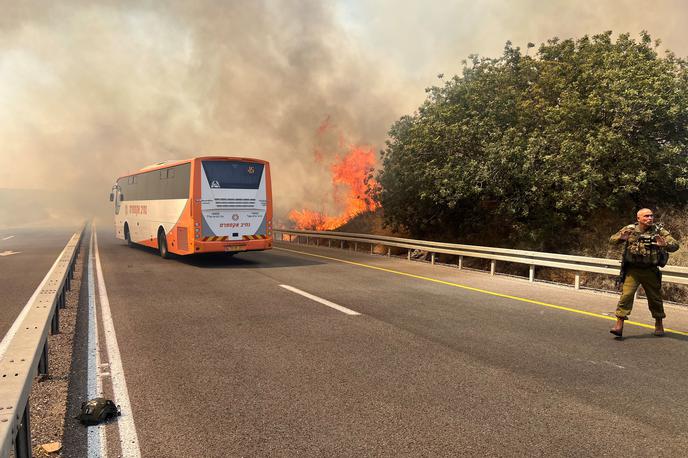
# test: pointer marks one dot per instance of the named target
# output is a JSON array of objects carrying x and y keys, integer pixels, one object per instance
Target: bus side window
[{"x": 121, "y": 197}]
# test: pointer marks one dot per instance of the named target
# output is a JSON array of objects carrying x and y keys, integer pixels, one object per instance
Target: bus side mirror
[{"x": 112, "y": 197}]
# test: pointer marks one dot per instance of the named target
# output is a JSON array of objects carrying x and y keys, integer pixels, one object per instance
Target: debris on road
[
  {"x": 97, "y": 410},
  {"x": 52, "y": 447}
]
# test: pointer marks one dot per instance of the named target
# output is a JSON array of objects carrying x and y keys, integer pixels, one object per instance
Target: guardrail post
[
  {"x": 460, "y": 262},
  {"x": 355, "y": 246},
  {"x": 389, "y": 251},
  {"x": 329, "y": 243},
  {"x": 22, "y": 445},
  {"x": 531, "y": 274},
  {"x": 432, "y": 258},
  {"x": 408, "y": 254},
  {"x": 55, "y": 323},
  {"x": 577, "y": 285},
  {"x": 308, "y": 240},
  {"x": 341, "y": 244},
  {"x": 493, "y": 264},
  {"x": 43, "y": 362},
  {"x": 372, "y": 249}
]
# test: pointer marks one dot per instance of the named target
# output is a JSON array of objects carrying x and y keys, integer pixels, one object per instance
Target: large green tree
[{"x": 539, "y": 144}]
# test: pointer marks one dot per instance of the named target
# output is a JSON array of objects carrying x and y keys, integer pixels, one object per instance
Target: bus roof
[{"x": 171, "y": 163}]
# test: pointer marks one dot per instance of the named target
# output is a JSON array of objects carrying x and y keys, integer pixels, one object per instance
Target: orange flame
[{"x": 349, "y": 172}]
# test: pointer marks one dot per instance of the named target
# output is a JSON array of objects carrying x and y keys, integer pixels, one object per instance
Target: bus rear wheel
[{"x": 162, "y": 245}]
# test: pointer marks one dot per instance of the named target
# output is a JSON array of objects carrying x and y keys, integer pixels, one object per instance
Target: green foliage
[{"x": 539, "y": 144}]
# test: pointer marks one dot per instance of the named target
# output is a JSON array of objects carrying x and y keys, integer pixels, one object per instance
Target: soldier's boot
[
  {"x": 659, "y": 328},
  {"x": 617, "y": 330}
]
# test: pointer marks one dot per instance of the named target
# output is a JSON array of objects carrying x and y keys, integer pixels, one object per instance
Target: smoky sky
[
  {"x": 427, "y": 38},
  {"x": 90, "y": 91}
]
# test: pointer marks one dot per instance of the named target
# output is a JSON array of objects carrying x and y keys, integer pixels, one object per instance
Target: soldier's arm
[
  {"x": 671, "y": 243},
  {"x": 620, "y": 236}
]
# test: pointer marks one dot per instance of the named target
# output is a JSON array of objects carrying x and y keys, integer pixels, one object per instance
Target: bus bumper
[{"x": 233, "y": 246}]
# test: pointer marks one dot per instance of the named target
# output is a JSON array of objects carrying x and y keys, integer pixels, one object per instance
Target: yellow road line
[{"x": 491, "y": 293}]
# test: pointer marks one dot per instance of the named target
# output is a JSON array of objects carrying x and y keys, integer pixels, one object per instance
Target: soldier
[{"x": 646, "y": 249}]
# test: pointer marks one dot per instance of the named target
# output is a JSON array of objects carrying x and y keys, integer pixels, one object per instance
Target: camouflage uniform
[{"x": 642, "y": 262}]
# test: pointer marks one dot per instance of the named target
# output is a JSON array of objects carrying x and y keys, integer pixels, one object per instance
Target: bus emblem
[
  {"x": 215, "y": 184},
  {"x": 235, "y": 217}
]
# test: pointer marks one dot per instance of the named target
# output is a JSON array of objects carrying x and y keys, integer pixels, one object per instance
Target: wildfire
[{"x": 348, "y": 174}]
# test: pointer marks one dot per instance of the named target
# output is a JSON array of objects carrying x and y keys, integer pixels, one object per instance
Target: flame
[{"x": 349, "y": 174}]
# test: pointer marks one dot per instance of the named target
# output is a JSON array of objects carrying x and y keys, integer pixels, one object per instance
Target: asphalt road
[
  {"x": 220, "y": 360},
  {"x": 26, "y": 255}
]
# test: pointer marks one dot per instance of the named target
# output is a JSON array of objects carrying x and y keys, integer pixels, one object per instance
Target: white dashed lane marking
[{"x": 320, "y": 300}]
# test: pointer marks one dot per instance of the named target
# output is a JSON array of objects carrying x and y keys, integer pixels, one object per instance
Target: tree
[{"x": 539, "y": 144}]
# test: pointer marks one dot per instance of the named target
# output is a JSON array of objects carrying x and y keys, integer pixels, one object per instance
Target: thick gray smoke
[{"x": 90, "y": 91}]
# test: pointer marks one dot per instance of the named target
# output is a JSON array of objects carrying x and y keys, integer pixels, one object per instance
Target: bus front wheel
[{"x": 162, "y": 245}]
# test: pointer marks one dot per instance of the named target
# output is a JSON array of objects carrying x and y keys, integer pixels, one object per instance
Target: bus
[{"x": 198, "y": 205}]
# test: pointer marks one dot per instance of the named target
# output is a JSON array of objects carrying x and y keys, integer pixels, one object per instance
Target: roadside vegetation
[
  {"x": 549, "y": 151},
  {"x": 552, "y": 151}
]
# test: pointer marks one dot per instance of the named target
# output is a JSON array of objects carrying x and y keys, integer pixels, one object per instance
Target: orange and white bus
[{"x": 197, "y": 205}]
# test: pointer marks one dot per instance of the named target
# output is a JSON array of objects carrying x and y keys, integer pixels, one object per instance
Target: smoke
[
  {"x": 91, "y": 91},
  {"x": 426, "y": 40}
]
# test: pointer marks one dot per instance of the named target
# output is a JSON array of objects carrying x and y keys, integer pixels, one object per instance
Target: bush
[{"x": 531, "y": 150}]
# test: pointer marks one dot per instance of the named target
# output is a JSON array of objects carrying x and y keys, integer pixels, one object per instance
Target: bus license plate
[{"x": 235, "y": 248}]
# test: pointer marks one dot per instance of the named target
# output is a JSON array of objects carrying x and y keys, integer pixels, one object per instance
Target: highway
[
  {"x": 26, "y": 255},
  {"x": 224, "y": 357}
]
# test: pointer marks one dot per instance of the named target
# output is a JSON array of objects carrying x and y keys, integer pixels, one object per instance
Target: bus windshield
[{"x": 233, "y": 175}]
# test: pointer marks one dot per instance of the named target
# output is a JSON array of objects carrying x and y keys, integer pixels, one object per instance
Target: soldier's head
[{"x": 645, "y": 217}]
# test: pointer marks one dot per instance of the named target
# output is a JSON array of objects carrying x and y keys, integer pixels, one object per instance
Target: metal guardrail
[
  {"x": 577, "y": 264},
  {"x": 27, "y": 352}
]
